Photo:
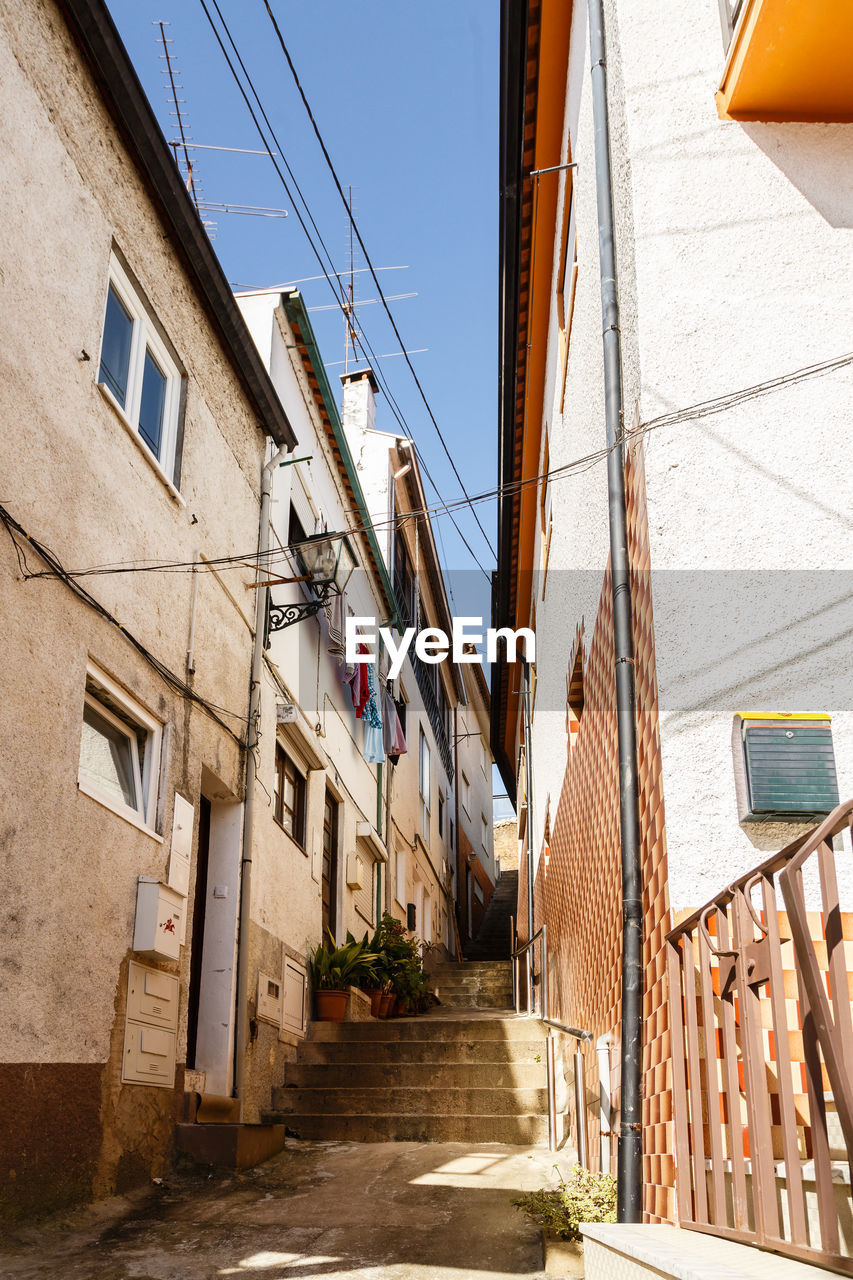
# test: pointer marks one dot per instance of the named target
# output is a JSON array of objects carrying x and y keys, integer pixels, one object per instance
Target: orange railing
[{"x": 762, "y": 1056}]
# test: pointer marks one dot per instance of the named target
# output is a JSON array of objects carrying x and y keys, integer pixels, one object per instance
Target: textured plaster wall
[
  {"x": 734, "y": 252},
  {"x": 74, "y": 477},
  {"x": 743, "y": 255}
]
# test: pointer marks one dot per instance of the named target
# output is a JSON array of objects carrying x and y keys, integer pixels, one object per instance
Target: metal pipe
[
  {"x": 580, "y": 1110},
  {"x": 252, "y": 738},
  {"x": 630, "y": 1180},
  {"x": 544, "y": 1012},
  {"x": 514, "y": 963},
  {"x": 528, "y": 769},
  {"x": 602, "y": 1049},
  {"x": 552, "y": 1093}
]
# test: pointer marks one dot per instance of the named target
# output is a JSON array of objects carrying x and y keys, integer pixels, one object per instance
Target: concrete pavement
[{"x": 329, "y": 1211}]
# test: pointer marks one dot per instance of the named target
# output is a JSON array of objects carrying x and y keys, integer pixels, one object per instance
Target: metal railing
[
  {"x": 754, "y": 1014},
  {"x": 526, "y": 950}
]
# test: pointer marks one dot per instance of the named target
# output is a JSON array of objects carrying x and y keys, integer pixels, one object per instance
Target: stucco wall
[
  {"x": 734, "y": 248},
  {"x": 76, "y": 479}
]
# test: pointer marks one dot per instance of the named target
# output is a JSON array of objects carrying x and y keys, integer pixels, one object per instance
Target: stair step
[
  {"x": 358, "y": 1101},
  {"x": 528, "y": 1130},
  {"x": 441, "y": 1051},
  {"x": 416, "y": 1075},
  {"x": 500, "y": 1030},
  {"x": 475, "y": 999}
]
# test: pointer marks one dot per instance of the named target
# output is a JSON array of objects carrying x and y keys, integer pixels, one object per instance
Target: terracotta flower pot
[
  {"x": 399, "y": 1007},
  {"x": 385, "y": 1006},
  {"x": 375, "y": 1001},
  {"x": 331, "y": 1005}
]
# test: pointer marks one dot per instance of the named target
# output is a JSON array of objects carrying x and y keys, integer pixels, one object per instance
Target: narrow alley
[{"x": 336, "y": 1211}]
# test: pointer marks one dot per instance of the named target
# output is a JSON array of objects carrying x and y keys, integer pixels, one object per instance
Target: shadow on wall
[{"x": 815, "y": 158}]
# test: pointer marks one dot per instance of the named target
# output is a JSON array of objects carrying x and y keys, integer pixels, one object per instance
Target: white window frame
[
  {"x": 400, "y": 878},
  {"x": 144, "y": 337},
  {"x": 148, "y": 776},
  {"x": 426, "y": 808}
]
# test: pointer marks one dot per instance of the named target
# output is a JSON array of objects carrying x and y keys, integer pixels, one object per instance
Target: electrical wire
[
  {"x": 58, "y": 571},
  {"x": 328, "y": 268},
  {"x": 567, "y": 470},
  {"x": 368, "y": 261}
]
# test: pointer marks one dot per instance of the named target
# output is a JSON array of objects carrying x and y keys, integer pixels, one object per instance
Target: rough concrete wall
[
  {"x": 506, "y": 844},
  {"x": 76, "y": 480}
]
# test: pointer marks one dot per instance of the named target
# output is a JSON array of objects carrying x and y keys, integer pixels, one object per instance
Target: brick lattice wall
[{"x": 581, "y": 896}]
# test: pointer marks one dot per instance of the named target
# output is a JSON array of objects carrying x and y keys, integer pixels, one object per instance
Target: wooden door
[{"x": 330, "y": 864}]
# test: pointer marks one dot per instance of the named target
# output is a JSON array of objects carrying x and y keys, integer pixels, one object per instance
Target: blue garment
[
  {"x": 371, "y": 713},
  {"x": 374, "y": 752}
]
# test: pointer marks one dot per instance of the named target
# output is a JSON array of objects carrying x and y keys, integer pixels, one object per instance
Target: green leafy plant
[
  {"x": 399, "y": 967},
  {"x": 335, "y": 968},
  {"x": 585, "y": 1197}
]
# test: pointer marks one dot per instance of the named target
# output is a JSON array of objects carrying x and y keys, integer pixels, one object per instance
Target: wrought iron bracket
[{"x": 280, "y": 616}]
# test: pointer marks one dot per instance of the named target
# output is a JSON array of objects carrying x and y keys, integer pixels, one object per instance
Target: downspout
[
  {"x": 630, "y": 1175},
  {"x": 461, "y": 915},
  {"x": 528, "y": 771},
  {"x": 252, "y": 738},
  {"x": 602, "y": 1049}
]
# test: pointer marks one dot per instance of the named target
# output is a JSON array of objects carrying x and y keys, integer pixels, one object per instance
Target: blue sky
[{"x": 406, "y": 97}]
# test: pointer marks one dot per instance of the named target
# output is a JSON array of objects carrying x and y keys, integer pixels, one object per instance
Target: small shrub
[{"x": 586, "y": 1197}]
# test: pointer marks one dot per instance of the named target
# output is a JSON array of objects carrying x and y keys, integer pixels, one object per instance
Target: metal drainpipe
[
  {"x": 602, "y": 1049},
  {"x": 528, "y": 770},
  {"x": 630, "y": 1184},
  {"x": 252, "y": 736}
]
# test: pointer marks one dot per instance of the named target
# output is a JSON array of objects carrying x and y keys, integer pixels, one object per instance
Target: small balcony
[{"x": 787, "y": 60}]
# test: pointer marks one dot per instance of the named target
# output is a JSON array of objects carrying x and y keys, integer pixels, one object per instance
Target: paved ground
[{"x": 335, "y": 1211}]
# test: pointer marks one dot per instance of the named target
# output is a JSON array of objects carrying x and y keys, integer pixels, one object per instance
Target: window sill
[
  {"x": 283, "y": 829},
  {"x": 174, "y": 493},
  {"x": 126, "y": 814}
]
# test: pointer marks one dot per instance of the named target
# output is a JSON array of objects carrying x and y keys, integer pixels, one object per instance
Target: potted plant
[
  {"x": 585, "y": 1197},
  {"x": 334, "y": 970}
]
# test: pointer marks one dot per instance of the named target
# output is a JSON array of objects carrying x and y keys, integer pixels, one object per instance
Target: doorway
[
  {"x": 330, "y": 864},
  {"x": 197, "y": 941}
]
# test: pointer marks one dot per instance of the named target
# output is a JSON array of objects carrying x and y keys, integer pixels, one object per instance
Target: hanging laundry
[
  {"x": 393, "y": 738},
  {"x": 374, "y": 750},
  {"x": 336, "y": 612}
]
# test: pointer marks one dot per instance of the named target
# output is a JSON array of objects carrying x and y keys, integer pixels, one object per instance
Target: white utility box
[
  {"x": 269, "y": 999},
  {"x": 355, "y": 871},
  {"x": 159, "y": 920},
  {"x": 182, "y": 844},
  {"x": 150, "y": 1032}
]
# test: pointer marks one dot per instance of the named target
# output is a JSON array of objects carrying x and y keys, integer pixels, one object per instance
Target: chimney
[{"x": 359, "y": 407}]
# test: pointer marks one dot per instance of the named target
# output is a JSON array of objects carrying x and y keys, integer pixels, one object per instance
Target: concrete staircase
[
  {"x": 492, "y": 942},
  {"x": 470, "y": 1071},
  {"x": 480, "y": 984}
]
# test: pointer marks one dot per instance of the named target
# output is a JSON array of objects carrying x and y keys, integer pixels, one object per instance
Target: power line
[
  {"x": 576, "y": 466},
  {"x": 57, "y": 570},
  {"x": 369, "y": 263},
  {"x": 323, "y": 265}
]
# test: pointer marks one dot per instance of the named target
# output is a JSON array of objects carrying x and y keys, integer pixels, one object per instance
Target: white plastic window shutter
[
  {"x": 400, "y": 881},
  {"x": 364, "y": 899},
  {"x": 138, "y": 372},
  {"x": 293, "y": 998},
  {"x": 119, "y": 751}
]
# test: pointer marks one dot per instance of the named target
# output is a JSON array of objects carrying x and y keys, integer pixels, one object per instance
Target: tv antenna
[{"x": 182, "y": 145}]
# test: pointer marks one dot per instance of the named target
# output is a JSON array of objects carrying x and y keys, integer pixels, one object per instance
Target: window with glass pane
[
  {"x": 115, "y": 348},
  {"x": 119, "y": 747},
  {"x": 139, "y": 371},
  {"x": 289, "y": 807},
  {"x": 107, "y": 757},
  {"x": 152, "y": 404}
]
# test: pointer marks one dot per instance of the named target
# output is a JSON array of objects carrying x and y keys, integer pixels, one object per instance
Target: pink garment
[{"x": 392, "y": 730}]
